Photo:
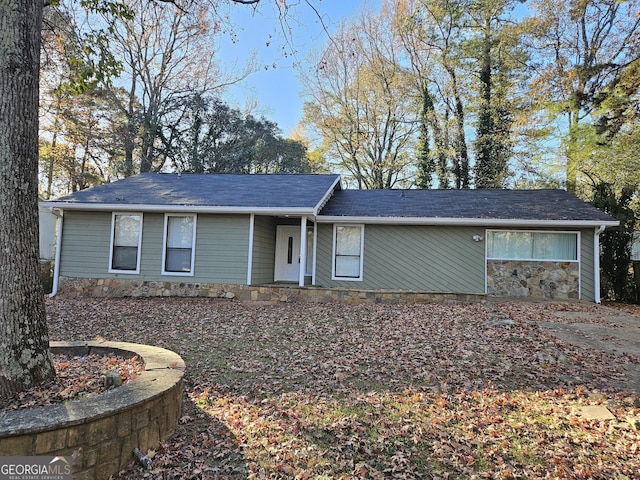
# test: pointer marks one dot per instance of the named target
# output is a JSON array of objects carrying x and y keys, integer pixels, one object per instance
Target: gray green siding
[
  {"x": 85, "y": 245},
  {"x": 396, "y": 257},
  {"x": 435, "y": 259},
  {"x": 264, "y": 247},
  {"x": 222, "y": 245},
  {"x": 587, "y": 274}
]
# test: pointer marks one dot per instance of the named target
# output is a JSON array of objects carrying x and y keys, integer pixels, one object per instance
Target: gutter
[
  {"x": 56, "y": 265},
  {"x": 461, "y": 222},
  {"x": 116, "y": 207},
  {"x": 596, "y": 262}
]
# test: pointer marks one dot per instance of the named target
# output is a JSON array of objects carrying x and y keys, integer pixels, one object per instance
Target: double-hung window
[
  {"x": 532, "y": 245},
  {"x": 178, "y": 251},
  {"x": 126, "y": 238},
  {"x": 348, "y": 247}
]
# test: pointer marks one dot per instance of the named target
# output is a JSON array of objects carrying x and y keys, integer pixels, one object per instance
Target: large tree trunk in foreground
[{"x": 24, "y": 341}]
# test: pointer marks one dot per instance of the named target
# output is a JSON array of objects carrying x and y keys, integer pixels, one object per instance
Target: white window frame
[
  {"x": 193, "y": 244},
  {"x": 569, "y": 232},
  {"x": 359, "y": 278},
  {"x": 113, "y": 228}
]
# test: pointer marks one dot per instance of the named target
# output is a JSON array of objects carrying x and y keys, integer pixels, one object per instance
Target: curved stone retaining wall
[{"x": 100, "y": 432}]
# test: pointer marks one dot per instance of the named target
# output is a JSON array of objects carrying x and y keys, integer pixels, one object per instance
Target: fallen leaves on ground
[
  {"x": 77, "y": 377},
  {"x": 374, "y": 391}
]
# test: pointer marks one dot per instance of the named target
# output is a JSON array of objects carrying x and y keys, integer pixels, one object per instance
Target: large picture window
[
  {"x": 179, "y": 244},
  {"x": 527, "y": 245},
  {"x": 348, "y": 243},
  {"x": 126, "y": 237}
]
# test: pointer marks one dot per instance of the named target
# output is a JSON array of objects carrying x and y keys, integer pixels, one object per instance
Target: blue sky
[{"x": 276, "y": 89}]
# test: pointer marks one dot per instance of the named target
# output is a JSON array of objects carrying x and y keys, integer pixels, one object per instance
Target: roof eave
[
  {"x": 466, "y": 222},
  {"x": 323, "y": 201},
  {"x": 113, "y": 207}
]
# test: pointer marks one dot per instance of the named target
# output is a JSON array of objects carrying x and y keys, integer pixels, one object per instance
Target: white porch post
[
  {"x": 303, "y": 250},
  {"x": 315, "y": 249},
  {"x": 252, "y": 221}
]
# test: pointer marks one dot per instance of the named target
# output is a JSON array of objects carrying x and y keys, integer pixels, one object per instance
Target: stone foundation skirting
[
  {"x": 99, "y": 433},
  {"x": 517, "y": 278},
  {"x": 91, "y": 287}
]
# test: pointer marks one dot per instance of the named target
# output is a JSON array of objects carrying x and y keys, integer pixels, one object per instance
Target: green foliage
[
  {"x": 492, "y": 110},
  {"x": 493, "y": 146},
  {"x": 617, "y": 106},
  {"x": 585, "y": 51},
  {"x": 500, "y": 62},
  {"x": 425, "y": 161},
  {"x": 81, "y": 146},
  {"x": 616, "y": 278},
  {"x": 431, "y": 32},
  {"x": 611, "y": 158},
  {"x": 91, "y": 61},
  {"x": 161, "y": 54},
  {"x": 221, "y": 139},
  {"x": 426, "y": 165},
  {"x": 110, "y": 8}
]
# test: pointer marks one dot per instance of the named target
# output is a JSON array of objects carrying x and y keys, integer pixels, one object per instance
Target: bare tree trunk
[
  {"x": 54, "y": 143},
  {"x": 461, "y": 167},
  {"x": 24, "y": 339},
  {"x": 130, "y": 134},
  {"x": 571, "y": 170}
]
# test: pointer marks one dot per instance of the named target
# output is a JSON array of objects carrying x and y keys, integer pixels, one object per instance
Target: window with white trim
[
  {"x": 126, "y": 238},
  {"x": 348, "y": 247},
  {"x": 179, "y": 244},
  {"x": 532, "y": 245}
]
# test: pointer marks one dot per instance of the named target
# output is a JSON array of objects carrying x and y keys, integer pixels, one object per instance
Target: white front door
[{"x": 287, "y": 268}]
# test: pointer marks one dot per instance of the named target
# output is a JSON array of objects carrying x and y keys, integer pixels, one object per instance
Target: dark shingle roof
[
  {"x": 302, "y": 193},
  {"x": 205, "y": 190},
  {"x": 534, "y": 205}
]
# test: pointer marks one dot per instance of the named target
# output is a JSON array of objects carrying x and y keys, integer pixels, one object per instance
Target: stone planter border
[{"x": 100, "y": 432}]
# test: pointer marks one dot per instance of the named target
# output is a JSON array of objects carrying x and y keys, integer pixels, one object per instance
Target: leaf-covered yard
[{"x": 375, "y": 391}]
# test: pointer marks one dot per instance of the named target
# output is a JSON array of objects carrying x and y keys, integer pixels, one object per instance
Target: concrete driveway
[{"x": 606, "y": 329}]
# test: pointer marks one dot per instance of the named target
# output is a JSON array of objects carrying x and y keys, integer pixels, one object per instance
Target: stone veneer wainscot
[
  {"x": 517, "y": 278},
  {"x": 116, "y": 287}
]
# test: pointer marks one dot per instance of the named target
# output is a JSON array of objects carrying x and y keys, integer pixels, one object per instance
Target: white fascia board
[
  {"x": 466, "y": 222},
  {"x": 326, "y": 197},
  {"x": 114, "y": 207}
]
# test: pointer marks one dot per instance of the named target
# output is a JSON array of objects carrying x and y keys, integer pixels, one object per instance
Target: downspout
[
  {"x": 596, "y": 262},
  {"x": 56, "y": 265}
]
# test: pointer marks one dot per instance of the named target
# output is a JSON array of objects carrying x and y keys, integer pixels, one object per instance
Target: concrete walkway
[{"x": 606, "y": 329}]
